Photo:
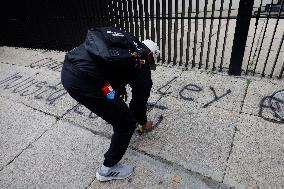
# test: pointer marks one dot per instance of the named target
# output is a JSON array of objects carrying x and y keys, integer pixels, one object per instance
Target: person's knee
[
  {"x": 129, "y": 127},
  {"x": 148, "y": 85},
  {"x": 126, "y": 127}
]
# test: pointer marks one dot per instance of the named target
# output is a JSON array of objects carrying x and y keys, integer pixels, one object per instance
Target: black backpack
[{"x": 115, "y": 47}]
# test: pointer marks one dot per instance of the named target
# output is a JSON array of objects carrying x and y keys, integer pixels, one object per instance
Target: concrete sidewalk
[{"x": 213, "y": 130}]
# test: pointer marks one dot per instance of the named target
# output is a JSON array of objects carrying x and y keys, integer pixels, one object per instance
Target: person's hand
[
  {"x": 148, "y": 126},
  {"x": 123, "y": 95}
]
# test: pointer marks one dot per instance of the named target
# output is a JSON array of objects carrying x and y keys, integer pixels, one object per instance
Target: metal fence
[
  {"x": 57, "y": 25},
  {"x": 239, "y": 36},
  {"x": 189, "y": 34},
  {"x": 264, "y": 51}
]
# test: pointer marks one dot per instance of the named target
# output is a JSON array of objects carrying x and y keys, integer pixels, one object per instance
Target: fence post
[{"x": 240, "y": 38}]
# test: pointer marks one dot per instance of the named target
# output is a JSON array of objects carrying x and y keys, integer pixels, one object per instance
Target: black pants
[{"x": 84, "y": 90}]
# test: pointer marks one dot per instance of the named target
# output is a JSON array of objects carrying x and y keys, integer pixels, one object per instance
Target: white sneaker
[{"x": 119, "y": 171}]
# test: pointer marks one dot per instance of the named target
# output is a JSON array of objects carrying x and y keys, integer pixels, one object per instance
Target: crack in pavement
[
  {"x": 36, "y": 139},
  {"x": 46, "y": 113},
  {"x": 208, "y": 180},
  {"x": 230, "y": 153},
  {"x": 28, "y": 146},
  {"x": 102, "y": 134},
  {"x": 69, "y": 110},
  {"x": 245, "y": 95},
  {"x": 235, "y": 131}
]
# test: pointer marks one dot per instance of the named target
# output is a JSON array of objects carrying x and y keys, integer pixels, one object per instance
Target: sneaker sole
[{"x": 103, "y": 178}]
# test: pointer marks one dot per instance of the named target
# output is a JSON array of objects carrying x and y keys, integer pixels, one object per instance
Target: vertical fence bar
[
  {"x": 111, "y": 13},
  {"x": 195, "y": 34},
  {"x": 152, "y": 20},
  {"x": 256, "y": 26},
  {"x": 203, "y": 33},
  {"x": 170, "y": 31},
  {"x": 29, "y": 28},
  {"x": 120, "y": 14},
  {"x": 282, "y": 70},
  {"x": 274, "y": 32},
  {"x": 96, "y": 12},
  {"x": 218, "y": 34},
  {"x": 163, "y": 29},
  {"x": 253, "y": 40},
  {"x": 104, "y": 17},
  {"x": 147, "y": 22},
  {"x": 182, "y": 31},
  {"x": 51, "y": 34},
  {"x": 74, "y": 21},
  {"x": 158, "y": 22},
  {"x": 262, "y": 40},
  {"x": 115, "y": 13},
  {"x": 126, "y": 15},
  {"x": 258, "y": 41},
  {"x": 175, "y": 32},
  {"x": 130, "y": 13},
  {"x": 44, "y": 32},
  {"x": 226, "y": 36},
  {"x": 135, "y": 10},
  {"x": 103, "y": 20},
  {"x": 142, "y": 35},
  {"x": 240, "y": 37},
  {"x": 277, "y": 56},
  {"x": 188, "y": 33},
  {"x": 210, "y": 34}
]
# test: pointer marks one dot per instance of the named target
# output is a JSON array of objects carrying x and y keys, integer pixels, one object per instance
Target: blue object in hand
[{"x": 110, "y": 95}]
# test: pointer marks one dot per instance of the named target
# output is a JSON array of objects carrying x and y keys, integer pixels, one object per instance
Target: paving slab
[
  {"x": 196, "y": 138},
  {"x": 258, "y": 99},
  {"x": 151, "y": 173},
  {"x": 20, "y": 126},
  {"x": 67, "y": 156},
  {"x": 209, "y": 89},
  {"x": 37, "y": 88},
  {"x": 64, "y": 157},
  {"x": 257, "y": 154}
]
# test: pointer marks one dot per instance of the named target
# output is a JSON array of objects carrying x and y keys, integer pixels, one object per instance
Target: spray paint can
[{"x": 108, "y": 92}]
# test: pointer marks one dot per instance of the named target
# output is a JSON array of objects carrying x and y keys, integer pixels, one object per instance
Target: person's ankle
[{"x": 105, "y": 169}]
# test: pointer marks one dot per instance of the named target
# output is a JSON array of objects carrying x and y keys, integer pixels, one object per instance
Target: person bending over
[{"x": 95, "y": 74}]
